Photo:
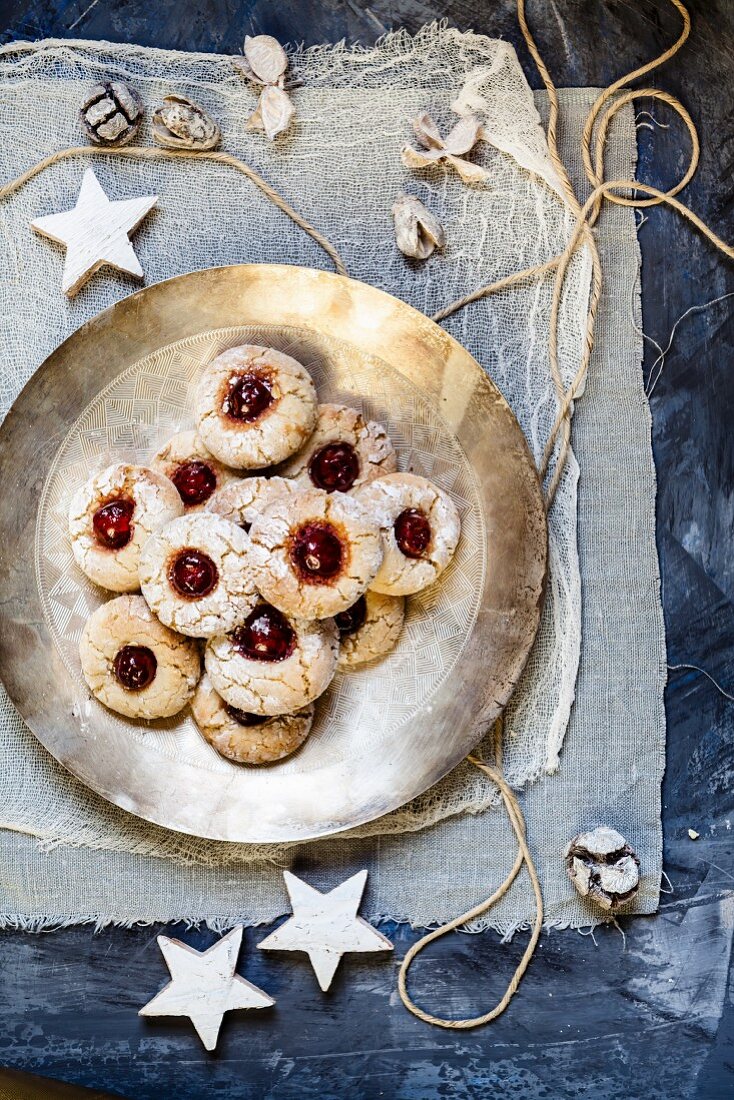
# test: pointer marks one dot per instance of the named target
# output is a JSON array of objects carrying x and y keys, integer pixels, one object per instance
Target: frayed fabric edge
[{"x": 20, "y": 922}]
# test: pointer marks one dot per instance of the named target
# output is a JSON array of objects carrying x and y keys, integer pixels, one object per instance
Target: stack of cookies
[{"x": 278, "y": 536}]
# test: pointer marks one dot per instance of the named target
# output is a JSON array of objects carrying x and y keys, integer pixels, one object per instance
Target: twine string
[
  {"x": 616, "y": 191},
  {"x": 152, "y": 152}
]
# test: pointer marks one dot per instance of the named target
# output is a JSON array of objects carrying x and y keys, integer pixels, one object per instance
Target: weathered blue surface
[{"x": 652, "y": 1019}]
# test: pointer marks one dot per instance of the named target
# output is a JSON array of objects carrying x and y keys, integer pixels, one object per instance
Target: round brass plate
[{"x": 384, "y": 734}]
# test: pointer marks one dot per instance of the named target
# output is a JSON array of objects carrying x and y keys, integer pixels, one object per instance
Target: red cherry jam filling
[
  {"x": 335, "y": 467},
  {"x": 192, "y": 573},
  {"x": 413, "y": 532},
  {"x": 248, "y": 397},
  {"x": 244, "y": 718},
  {"x": 112, "y": 523},
  {"x": 265, "y": 635},
  {"x": 353, "y": 619},
  {"x": 195, "y": 482},
  {"x": 317, "y": 552},
  {"x": 135, "y": 667}
]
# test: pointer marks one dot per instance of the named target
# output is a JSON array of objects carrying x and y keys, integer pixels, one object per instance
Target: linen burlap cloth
[{"x": 66, "y": 855}]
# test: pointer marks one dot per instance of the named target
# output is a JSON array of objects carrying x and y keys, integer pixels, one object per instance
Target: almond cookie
[
  {"x": 247, "y": 738},
  {"x": 421, "y": 529},
  {"x": 111, "y": 517},
  {"x": 369, "y": 628},
  {"x": 344, "y": 452},
  {"x": 314, "y": 554},
  {"x": 272, "y": 664},
  {"x": 255, "y": 406},
  {"x": 247, "y": 498},
  {"x": 197, "y": 475},
  {"x": 135, "y": 665},
  {"x": 195, "y": 576}
]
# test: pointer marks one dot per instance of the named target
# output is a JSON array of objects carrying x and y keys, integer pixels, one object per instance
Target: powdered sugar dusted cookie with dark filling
[
  {"x": 369, "y": 628},
  {"x": 247, "y": 738},
  {"x": 195, "y": 472},
  {"x": 112, "y": 516},
  {"x": 255, "y": 406},
  {"x": 273, "y": 664},
  {"x": 421, "y": 529},
  {"x": 243, "y": 501},
  {"x": 195, "y": 576},
  {"x": 314, "y": 554},
  {"x": 135, "y": 665},
  {"x": 344, "y": 452}
]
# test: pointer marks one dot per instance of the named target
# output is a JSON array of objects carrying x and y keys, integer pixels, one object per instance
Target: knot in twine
[{"x": 616, "y": 191}]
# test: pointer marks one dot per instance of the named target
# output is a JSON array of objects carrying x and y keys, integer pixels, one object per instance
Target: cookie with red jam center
[
  {"x": 421, "y": 530},
  {"x": 273, "y": 663},
  {"x": 243, "y": 737},
  {"x": 134, "y": 664},
  {"x": 255, "y": 407},
  {"x": 111, "y": 517},
  {"x": 370, "y": 628},
  {"x": 196, "y": 577},
  {"x": 315, "y": 554},
  {"x": 345, "y": 452},
  {"x": 195, "y": 472}
]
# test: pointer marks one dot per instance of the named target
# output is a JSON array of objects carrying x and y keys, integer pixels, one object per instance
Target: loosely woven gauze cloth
[{"x": 341, "y": 169}]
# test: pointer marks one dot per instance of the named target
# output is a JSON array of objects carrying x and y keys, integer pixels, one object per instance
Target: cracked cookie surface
[
  {"x": 370, "y": 628},
  {"x": 247, "y": 738},
  {"x": 195, "y": 575},
  {"x": 254, "y": 406},
  {"x": 344, "y": 452},
  {"x": 257, "y": 675},
  {"x": 421, "y": 530},
  {"x": 134, "y": 664},
  {"x": 195, "y": 472},
  {"x": 314, "y": 554},
  {"x": 111, "y": 517},
  {"x": 243, "y": 501}
]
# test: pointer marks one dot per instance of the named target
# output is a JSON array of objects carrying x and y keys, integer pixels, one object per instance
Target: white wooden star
[
  {"x": 325, "y": 926},
  {"x": 204, "y": 985},
  {"x": 96, "y": 232}
]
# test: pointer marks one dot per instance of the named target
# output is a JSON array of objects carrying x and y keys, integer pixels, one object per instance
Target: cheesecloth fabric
[{"x": 341, "y": 168}]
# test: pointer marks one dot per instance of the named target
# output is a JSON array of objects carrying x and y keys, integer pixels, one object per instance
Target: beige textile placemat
[{"x": 613, "y": 759}]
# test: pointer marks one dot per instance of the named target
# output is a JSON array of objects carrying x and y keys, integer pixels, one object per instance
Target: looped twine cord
[
  {"x": 149, "y": 152},
  {"x": 617, "y": 191},
  {"x": 523, "y": 856}
]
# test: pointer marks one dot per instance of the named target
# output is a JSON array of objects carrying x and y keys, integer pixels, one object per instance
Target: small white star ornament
[
  {"x": 325, "y": 926},
  {"x": 96, "y": 232},
  {"x": 204, "y": 985}
]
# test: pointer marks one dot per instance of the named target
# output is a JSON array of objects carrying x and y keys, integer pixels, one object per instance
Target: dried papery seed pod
[
  {"x": 417, "y": 231},
  {"x": 111, "y": 113},
  {"x": 266, "y": 59},
  {"x": 603, "y": 867},
  {"x": 273, "y": 113},
  {"x": 180, "y": 124},
  {"x": 435, "y": 149}
]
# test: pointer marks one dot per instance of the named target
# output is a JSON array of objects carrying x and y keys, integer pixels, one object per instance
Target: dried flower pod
[
  {"x": 603, "y": 867},
  {"x": 434, "y": 149},
  {"x": 417, "y": 231},
  {"x": 180, "y": 124},
  {"x": 111, "y": 113},
  {"x": 266, "y": 59},
  {"x": 273, "y": 113}
]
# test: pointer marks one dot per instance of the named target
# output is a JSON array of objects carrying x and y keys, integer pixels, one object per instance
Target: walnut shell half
[
  {"x": 603, "y": 867},
  {"x": 181, "y": 124}
]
